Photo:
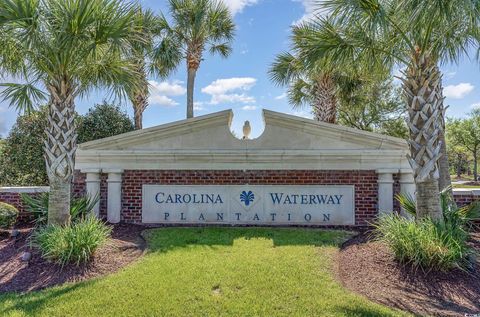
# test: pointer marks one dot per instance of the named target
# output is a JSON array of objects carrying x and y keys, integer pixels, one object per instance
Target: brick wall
[
  {"x": 365, "y": 185},
  {"x": 14, "y": 198}
]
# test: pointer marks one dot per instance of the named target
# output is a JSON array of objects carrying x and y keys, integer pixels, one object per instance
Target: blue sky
[{"x": 241, "y": 82}]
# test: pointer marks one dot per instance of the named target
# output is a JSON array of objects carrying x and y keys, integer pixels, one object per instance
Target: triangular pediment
[{"x": 212, "y": 132}]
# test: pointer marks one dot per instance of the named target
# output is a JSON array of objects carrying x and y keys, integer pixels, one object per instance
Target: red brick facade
[{"x": 365, "y": 182}]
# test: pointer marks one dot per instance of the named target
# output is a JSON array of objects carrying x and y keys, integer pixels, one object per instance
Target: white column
[
  {"x": 385, "y": 192},
  {"x": 114, "y": 200},
  {"x": 407, "y": 185},
  {"x": 93, "y": 188}
]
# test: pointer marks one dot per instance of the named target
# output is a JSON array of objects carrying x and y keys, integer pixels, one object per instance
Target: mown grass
[{"x": 213, "y": 272}]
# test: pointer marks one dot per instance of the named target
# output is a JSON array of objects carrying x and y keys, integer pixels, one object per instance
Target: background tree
[
  {"x": 417, "y": 36},
  {"x": 459, "y": 158},
  {"x": 101, "y": 121},
  {"x": 375, "y": 106},
  {"x": 197, "y": 25},
  {"x": 68, "y": 47},
  {"x": 466, "y": 133},
  {"x": 21, "y": 160}
]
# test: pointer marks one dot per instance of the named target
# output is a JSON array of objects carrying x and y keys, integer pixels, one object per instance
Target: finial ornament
[{"x": 246, "y": 130}]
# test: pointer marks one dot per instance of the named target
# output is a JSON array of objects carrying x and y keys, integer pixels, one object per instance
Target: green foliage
[
  {"x": 21, "y": 158},
  {"x": 424, "y": 244},
  {"x": 41, "y": 46},
  {"x": 8, "y": 215},
  {"x": 101, "y": 121},
  {"x": 463, "y": 137},
  {"x": 21, "y": 155},
  {"x": 38, "y": 206},
  {"x": 75, "y": 243},
  {"x": 373, "y": 105}
]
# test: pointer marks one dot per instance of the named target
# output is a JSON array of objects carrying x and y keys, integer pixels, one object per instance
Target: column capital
[
  {"x": 92, "y": 177},
  {"x": 114, "y": 177},
  {"x": 385, "y": 178},
  {"x": 406, "y": 178}
]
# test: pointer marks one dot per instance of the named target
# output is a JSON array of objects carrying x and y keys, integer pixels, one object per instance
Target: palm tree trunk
[
  {"x": 139, "y": 98},
  {"x": 325, "y": 102},
  {"x": 140, "y": 103},
  {"x": 444, "y": 180},
  {"x": 60, "y": 146},
  {"x": 190, "y": 88},
  {"x": 420, "y": 86}
]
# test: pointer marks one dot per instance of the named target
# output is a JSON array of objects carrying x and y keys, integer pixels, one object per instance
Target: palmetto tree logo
[{"x": 247, "y": 197}]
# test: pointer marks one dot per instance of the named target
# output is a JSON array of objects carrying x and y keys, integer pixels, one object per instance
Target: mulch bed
[
  {"x": 369, "y": 268},
  {"x": 124, "y": 247}
]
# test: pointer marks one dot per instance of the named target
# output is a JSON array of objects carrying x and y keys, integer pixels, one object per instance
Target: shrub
[
  {"x": 71, "y": 244},
  {"x": 424, "y": 244},
  {"x": 8, "y": 215},
  {"x": 38, "y": 205}
]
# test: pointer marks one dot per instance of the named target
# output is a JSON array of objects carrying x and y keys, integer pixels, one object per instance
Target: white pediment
[
  {"x": 212, "y": 132},
  {"x": 206, "y": 142}
]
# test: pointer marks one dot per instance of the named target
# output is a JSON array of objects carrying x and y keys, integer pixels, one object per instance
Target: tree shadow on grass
[
  {"x": 167, "y": 239},
  {"x": 32, "y": 304}
]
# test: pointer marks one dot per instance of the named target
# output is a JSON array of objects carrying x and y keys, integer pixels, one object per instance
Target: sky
[{"x": 241, "y": 81}]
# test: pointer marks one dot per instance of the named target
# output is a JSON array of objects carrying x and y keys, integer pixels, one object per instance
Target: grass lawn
[{"x": 213, "y": 272}]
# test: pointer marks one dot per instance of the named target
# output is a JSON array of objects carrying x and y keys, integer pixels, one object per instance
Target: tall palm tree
[
  {"x": 317, "y": 84},
  {"x": 144, "y": 57},
  {"x": 418, "y": 36},
  {"x": 311, "y": 87},
  {"x": 67, "y": 48},
  {"x": 197, "y": 25}
]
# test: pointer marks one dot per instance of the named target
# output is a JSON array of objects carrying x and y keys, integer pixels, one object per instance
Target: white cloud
[
  {"x": 475, "y": 105},
  {"x": 198, "y": 105},
  {"x": 249, "y": 108},
  {"x": 237, "y": 6},
  {"x": 160, "y": 92},
  {"x": 227, "y": 90},
  {"x": 311, "y": 8},
  {"x": 222, "y": 86},
  {"x": 282, "y": 96},
  {"x": 168, "y": 89},
  {"x": 162, "y": 101},
  {"x": 458, "y": 91},
  {"x": 231, "y": 98}
]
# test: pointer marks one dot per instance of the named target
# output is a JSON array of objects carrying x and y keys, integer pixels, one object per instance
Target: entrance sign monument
[
  {"x": 271, "y": 205},
  {"x": 194, "y": 171}
]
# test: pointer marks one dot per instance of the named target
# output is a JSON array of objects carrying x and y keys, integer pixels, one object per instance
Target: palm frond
[
  {"x": 407, "y": 202},
  {"x": 23, "y": 97}
]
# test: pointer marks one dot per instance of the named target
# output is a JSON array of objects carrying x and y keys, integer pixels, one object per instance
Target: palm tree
[
  {"x": 67, "y": 48},
  {"x": 197, "y": 25},
  {"x": 418, "y": 36},
  {"x": 315, "y": 88},
  {"x": 144, "y": 57},
  {"x": 319, "y": 84}
]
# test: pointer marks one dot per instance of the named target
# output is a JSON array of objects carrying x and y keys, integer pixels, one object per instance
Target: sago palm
[
  {"x": 66, "y": 48},
  {"x": 197, "y": 25},
  {"x": 418, "y": 36}
]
